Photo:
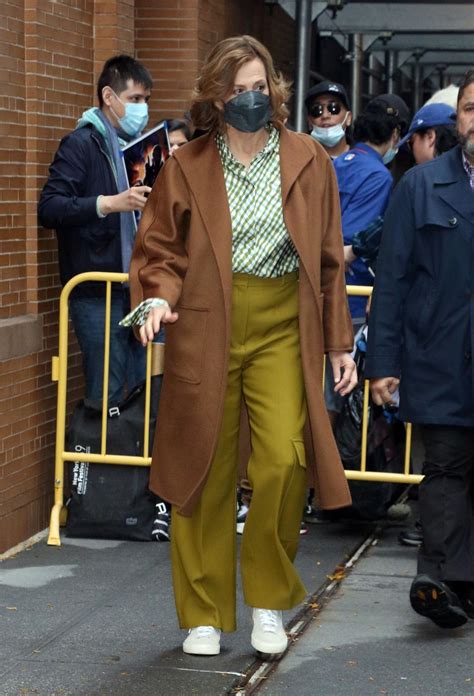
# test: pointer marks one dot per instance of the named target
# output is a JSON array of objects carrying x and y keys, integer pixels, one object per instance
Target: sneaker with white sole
[
  {"x": 268, "y": 635},
  {"x": 242, "y": 512},
  {"x": 203, "y": 640}
]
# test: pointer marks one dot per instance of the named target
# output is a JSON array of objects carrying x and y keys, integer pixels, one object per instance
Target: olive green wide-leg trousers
[{"x": 264, "y": 369}]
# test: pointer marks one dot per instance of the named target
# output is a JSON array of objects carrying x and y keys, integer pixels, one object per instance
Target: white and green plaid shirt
[{"x": 261, "y": 244}]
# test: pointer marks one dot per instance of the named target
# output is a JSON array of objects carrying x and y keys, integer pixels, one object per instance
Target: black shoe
[
  {"x": 465, "y": 593},
  {"x": 315, "y": 515},
  {"x": 434, "y": 599},
  {"x": 162, "y": 523},
  {"x": 411, "y": 537},
  {"x": 242, "y": 512}
]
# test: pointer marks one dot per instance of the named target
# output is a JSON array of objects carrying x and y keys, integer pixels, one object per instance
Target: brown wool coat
[{"x": 183, "y": 254}]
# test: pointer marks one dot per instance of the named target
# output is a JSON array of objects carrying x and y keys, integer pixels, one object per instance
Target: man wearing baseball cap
[
  {"x": 365, "y": 183},
  {"x": 431, "y": 132},
  {"x": 329, "y": 116}
]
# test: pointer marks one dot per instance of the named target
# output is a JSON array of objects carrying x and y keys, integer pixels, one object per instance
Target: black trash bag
[
  {"x": 385, "y": 447},
  {"x": 112, "y": 501},
  {"x": 348, "y": 431}
]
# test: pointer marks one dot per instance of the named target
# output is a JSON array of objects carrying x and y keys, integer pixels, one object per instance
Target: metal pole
[
  {"x": 303, "y": 42},
  {"x": 416, "y": 85},
  {"x": 372, "y": 75},
  {"x": 391, "y": 68},
  {"x": 357, "y": 53}
]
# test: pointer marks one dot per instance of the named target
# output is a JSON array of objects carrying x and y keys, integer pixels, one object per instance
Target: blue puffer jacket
[{"x": 81, "y": 171}]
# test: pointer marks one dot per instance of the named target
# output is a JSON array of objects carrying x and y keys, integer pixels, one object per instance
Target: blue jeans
[{"x": 127, "y": 356}]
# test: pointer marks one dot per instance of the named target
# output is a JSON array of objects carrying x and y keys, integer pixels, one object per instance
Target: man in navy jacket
[
  {"x": 88, "y": 201},
  {"x": 421, "y": 338}
]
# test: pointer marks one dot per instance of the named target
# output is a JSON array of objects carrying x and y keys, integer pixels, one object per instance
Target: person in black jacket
[
  {"x": 88, "y": 201},
  {"x": 421, "y": 339}
]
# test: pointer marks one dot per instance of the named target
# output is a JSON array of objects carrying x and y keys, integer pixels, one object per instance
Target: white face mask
[
  {"x": 135, "y": 118},
  {"x": 330, "y": 137},
  {"x": 389, "y": 155}
]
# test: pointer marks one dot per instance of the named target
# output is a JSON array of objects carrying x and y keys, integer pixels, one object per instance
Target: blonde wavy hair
[{"x": 217, "y": 76}]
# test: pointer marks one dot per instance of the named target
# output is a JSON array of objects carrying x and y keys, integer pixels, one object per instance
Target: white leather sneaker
[
  {"x": 268, "y": 635},
  {"x": 203, "y": 640}
]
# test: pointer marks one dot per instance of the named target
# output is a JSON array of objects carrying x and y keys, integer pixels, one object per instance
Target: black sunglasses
[{"x": 333, "y": 108}]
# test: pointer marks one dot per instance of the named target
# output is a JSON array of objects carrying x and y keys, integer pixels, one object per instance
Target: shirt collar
[
  {"x": 368, "y": 150},
  {"x": 467, "y": 165},
  {"x": 228, "y": 159}
]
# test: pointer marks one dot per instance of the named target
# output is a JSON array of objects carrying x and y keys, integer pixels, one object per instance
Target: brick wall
[
  {"x": 165, "y": 41},
  {"x": 173, "y": 37},
  {"x": 47, "y": 59},
  {"x": 50, "y": 56}
]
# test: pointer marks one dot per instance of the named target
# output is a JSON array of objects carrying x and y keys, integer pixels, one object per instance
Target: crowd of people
[{"x": 245, "y": 243}]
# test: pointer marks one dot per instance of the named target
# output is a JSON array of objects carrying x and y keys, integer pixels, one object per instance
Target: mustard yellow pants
[{"x": 264, "y": 369}]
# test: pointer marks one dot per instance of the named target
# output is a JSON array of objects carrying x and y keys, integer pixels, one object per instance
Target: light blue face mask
[
  {"x": 329, "y": 137},
  {"x": 389, "y": 155},
  {"x": 135, "y": 118}
]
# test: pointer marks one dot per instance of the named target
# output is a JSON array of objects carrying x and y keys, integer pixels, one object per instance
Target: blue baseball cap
[{"x": 429, "y": 116}]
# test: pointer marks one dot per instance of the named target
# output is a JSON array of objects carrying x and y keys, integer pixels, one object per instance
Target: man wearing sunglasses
[{"x": 329, "y": 116}]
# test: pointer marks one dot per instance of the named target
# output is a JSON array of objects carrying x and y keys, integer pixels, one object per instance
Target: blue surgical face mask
[
  {"x": 329, "y": 137},
  {"x": 389, "y": 155},
  {"x": 135, "y": 118},
  {"x": 248, "y": 112}
]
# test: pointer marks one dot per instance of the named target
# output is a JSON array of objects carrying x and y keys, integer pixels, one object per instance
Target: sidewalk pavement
[
  {"x": 96, "y": 618},
  {"x": 369, "y": 642}
]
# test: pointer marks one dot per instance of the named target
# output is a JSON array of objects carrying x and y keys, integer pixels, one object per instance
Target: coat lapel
[
  {"x": 295, "y": 155},
  {"x": 203, "y": 170},
  {"x": 452, "y": 185}
]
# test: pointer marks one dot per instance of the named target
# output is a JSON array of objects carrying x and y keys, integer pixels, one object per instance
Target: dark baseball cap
[
  {"x": 430, "y": 116},
  {"x": 327, "y": 87},
  {"x": 394, "y": 106}
]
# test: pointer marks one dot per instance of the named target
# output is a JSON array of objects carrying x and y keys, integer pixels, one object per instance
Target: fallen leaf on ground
[{"x": 339, "y": 574}]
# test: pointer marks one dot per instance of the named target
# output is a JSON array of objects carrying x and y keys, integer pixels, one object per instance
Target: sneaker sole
[
  {"x": 161, "y": 536},
  {"x": 202, "y": 651},
  {"x": 409, "y": 542},
  {"x": 273, "y": 652},
  {"x": 431, "y": 601}
]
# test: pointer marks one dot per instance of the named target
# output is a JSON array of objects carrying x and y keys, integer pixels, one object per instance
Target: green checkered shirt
[{"x": 261, "y": 244}]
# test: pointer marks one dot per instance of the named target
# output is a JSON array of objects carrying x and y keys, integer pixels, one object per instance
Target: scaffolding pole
[{"x": 303, "y": 29}]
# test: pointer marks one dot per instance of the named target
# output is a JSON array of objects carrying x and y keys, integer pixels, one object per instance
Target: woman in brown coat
[{"x": 240, "y": 253}]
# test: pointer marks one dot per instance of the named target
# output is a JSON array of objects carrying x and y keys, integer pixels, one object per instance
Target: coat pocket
[
  {"x": 300, "y": 452},
  {"x": 185, "y": 344}
]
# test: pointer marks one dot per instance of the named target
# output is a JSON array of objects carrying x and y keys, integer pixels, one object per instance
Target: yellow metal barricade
[
  {"x": 59, "y": 374},
  {"x": 362, "y": 474}
]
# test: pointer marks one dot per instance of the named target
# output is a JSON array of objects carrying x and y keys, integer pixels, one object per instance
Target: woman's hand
[
  {"x": 155, "y": 318},
  {"x": 345, "y": 372}
]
